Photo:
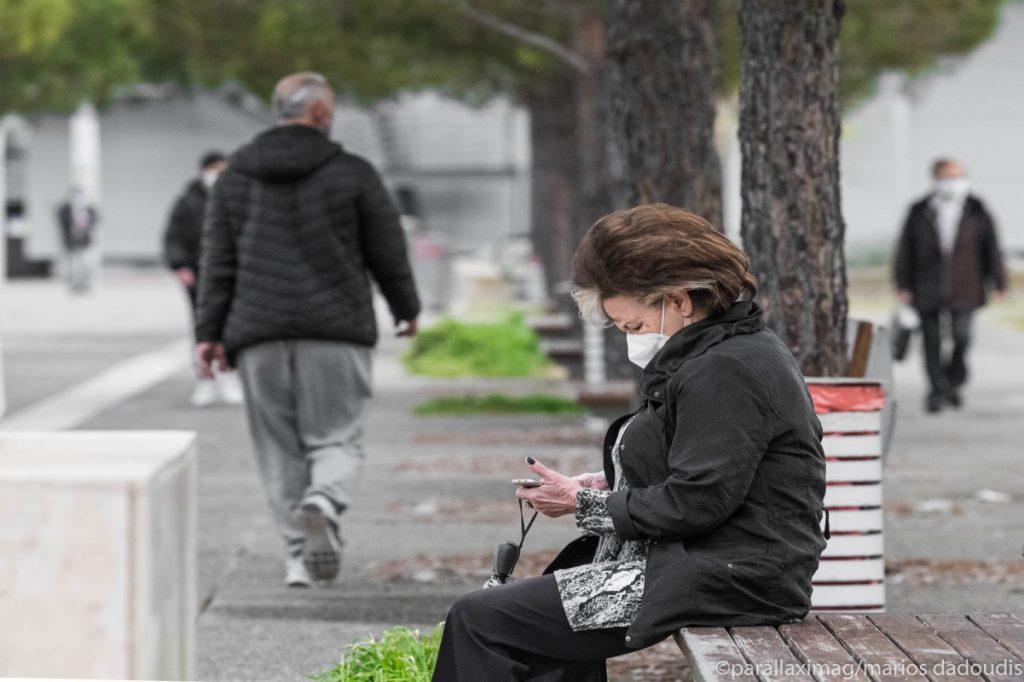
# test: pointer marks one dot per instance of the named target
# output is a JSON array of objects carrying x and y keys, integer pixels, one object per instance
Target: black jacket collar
[{"x": 742, "y": 317}]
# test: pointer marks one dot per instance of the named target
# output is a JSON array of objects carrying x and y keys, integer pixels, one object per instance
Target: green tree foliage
[
  {"x": 55, "y": 53},
  {"x": 368, "y": 49},
  {"x": 883, "y": 35}
]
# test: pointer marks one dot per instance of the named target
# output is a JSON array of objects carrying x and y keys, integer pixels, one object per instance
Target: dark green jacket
[{"x": 727, "y": 479}]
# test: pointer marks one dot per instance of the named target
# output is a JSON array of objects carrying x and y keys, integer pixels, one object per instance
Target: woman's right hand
[{"x": 595, "y": 480}]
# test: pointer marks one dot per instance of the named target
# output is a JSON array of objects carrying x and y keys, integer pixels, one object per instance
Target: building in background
[{"x": 464, "y": 171}]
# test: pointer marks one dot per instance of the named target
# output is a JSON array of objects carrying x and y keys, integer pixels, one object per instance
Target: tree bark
[
  {"x": 662, "y": 66},
  {"x": 792, "y": 226},
  {"x": 588, "y": 39},
  {"x": 555, "y": 171}
]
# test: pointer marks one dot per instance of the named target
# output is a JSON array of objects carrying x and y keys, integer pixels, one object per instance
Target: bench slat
[
  {"x": 853, "y": 471},
  {"x": 764, "y": 648},
  {"x": 706, "y": 648},
  {"x": 1004, "y": 628},
  {"x": 852, "y": 446},
  {"x": 853, "y": 495},
  {"x": 976, "y": 646},
  {"x": 854, "y": 545},
  {"x": 814, "y": 644},
  {"x": 855, "y": 520},
  {"x": 851, "y": 422},
  {"x": 848, "y": 597},
  {"x": 870, "y": 646},
  {"x": 849, "y": 570},
  {"x": 923, "y": 646}
]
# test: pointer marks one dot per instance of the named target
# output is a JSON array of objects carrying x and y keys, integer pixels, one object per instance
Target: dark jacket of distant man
[
  {"x": 295, "y": 229},
  {"x": 957, "y": 281},
  {"x": 185, "y": 228}
]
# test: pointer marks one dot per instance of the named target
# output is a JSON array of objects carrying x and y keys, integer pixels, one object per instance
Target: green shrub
[
  {"x": 400, "y": 655},
  {"x": 496, "y": 403},
  {"x": 492, "y": 349}
]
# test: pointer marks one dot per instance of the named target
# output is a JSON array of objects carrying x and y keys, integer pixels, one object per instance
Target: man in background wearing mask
[
  {"x": 181, "y": 254},
  {"x": 947, "y": 260},
  {"x": 295, "y": 229}
]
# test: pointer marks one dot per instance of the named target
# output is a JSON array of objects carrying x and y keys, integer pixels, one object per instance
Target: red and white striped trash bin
[{"x": 851, "y": 575}]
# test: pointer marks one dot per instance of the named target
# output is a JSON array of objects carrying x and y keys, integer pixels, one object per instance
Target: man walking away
[
  {"x": 295, "y": 228},
  {"x": 181, "y": 254},
  {"x": 947, "y": 259}
]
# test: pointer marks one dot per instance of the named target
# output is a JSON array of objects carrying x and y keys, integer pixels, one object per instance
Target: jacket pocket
[{"x": 577, "y": 553}]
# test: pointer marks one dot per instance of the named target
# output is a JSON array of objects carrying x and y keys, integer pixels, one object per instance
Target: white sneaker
[
  {"x": 205, "y": 393},
  {"x": 230, "y": 388},
  {"x": 295, "y": 573},
  {"x": 321, "y": 549}
]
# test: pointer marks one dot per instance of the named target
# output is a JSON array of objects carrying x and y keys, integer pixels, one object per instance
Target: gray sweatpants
[{"x": 306, "y": 404}]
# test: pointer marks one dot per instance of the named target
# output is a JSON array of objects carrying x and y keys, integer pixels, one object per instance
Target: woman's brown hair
[{"x": 654, "y": 250}]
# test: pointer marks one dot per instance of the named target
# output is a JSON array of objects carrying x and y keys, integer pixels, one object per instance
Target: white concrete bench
[{"x": 97, "y": 555}]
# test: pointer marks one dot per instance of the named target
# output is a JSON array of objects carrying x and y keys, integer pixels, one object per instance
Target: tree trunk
[
  {"x": 588, "y": 40},
  {"x": 662, "y": 68},
  {"x": 555, "y": 172},
  {"x": 587, "y": 27},
  {"x": 789, "y": 137}
]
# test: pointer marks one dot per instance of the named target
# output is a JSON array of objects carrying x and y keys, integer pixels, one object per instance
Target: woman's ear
[{"x": 681, "y": 303}]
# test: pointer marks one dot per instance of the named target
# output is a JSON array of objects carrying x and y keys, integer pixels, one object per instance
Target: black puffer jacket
[
  {"x": 185, "y": 228},
  {"x": 727, "y": 479},
  {"x": 294, "y": 228}
]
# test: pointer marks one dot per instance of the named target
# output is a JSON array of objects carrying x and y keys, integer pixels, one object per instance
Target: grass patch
[
  {"x": 400, "y": 655},
  {"x": 496, "y": 403},
  {"x": 452, "y": 348}
]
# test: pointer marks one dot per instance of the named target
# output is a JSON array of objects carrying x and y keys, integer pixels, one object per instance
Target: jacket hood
[
  {"x": 742, "y": 317},
  {"x": 284, "y": 153}
]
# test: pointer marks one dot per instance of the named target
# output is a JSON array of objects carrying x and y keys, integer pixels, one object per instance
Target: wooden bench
[{"x": 864, "y": 647}]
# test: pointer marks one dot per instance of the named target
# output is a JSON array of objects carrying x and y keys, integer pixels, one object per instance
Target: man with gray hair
[{"x": 295, "y": 227}]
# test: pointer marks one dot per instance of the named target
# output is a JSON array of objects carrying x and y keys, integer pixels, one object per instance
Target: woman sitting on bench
[{"x": 708, "y": 508}]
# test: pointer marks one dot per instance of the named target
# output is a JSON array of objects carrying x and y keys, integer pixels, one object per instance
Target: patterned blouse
[{"x": 606, "y": 593}]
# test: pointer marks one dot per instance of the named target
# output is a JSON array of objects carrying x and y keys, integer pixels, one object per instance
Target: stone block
[{"x": 98, "y": 554}]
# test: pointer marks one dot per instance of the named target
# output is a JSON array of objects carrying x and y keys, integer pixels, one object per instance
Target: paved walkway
[{"x": 435, "y": 494}]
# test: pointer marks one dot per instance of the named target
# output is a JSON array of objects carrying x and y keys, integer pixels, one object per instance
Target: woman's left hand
[{"x": 556, "y": 494}]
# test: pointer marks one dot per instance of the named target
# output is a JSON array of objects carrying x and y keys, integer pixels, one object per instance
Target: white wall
[
  {"x": 150, "y": 149},
  {"x": 971, "y": 109}
]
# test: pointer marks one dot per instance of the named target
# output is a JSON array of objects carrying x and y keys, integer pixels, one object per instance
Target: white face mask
[
  {"x": 952, "y": 189},
  {"x": 641, "y": 348},
  {"x": 209, "y": 177}
]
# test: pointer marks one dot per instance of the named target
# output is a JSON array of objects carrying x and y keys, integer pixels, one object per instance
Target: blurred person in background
[
  {"x": 77, "y": 219},
  {"x": 181, "y": 254},
  {"x": 947, "y": 260},
  {"x": 295, "y": 229}
]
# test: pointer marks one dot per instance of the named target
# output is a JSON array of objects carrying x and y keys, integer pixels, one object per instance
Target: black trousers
[
  {"x": 519, "y": 632},
  {"x": 944, "y": 375}
]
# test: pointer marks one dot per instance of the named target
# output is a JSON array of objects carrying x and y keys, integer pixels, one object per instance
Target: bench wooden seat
[{"x": 865, "y": 647}]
